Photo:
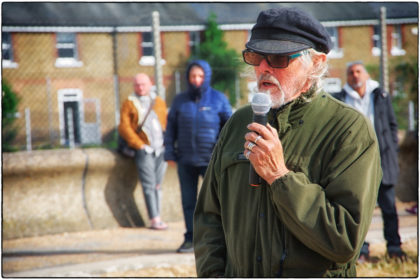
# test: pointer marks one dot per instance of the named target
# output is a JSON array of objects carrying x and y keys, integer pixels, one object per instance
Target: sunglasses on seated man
[{"x": 274, "y": 60}]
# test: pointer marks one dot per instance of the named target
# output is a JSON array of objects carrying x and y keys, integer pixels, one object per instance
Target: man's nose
[{"x": 264, "y": 66}]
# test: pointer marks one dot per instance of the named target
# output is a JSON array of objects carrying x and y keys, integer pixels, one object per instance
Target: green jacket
[{"x": 309, "y": 223}]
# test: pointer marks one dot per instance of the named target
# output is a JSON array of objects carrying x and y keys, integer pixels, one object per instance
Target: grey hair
[{"x": 318, "y": 73}]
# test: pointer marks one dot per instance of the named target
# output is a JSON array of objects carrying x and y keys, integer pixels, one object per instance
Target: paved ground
[{"x": 128, "y": 252}]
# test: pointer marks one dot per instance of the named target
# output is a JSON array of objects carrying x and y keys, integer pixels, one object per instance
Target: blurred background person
[
  {"x": 194, "y": 122},
  {"x": 143, "y": 121},
  {"x": 365, "y": 95}
]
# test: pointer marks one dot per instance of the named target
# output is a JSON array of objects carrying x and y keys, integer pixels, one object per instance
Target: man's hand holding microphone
[{"x": 262, "y": 146}]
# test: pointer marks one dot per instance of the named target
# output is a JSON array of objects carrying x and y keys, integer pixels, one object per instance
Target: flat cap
[{"x": 288, "y": 30}]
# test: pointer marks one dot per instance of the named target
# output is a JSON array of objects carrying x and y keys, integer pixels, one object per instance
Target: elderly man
[
  {"x": 318, "y": 158},
  {"x": 365, "y": 95},
  {"x": 143, "y": 121}
]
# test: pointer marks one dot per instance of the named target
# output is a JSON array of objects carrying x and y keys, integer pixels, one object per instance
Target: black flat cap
[{"x": 288, "y": 30}]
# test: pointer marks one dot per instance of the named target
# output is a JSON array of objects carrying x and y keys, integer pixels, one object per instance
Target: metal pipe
[{"x": 157, "y": 54}]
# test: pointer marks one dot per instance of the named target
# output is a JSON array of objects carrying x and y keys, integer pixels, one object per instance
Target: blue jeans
[
  {"x": 188, "y": 178},
  {"x": 151, "y": 169}
]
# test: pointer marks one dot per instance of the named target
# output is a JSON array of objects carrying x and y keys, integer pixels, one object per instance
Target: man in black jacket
[{"x": 365, "y": 95}]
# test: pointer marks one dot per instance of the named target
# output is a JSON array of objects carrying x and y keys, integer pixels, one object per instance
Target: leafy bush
[{"x": 9, "y": 106}]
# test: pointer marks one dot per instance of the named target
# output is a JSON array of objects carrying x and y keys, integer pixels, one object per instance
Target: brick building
[{"x": 83, "y": 56}]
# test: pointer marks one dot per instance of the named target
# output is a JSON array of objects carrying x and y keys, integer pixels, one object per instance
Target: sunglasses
[{"x": 274, "y": 60}]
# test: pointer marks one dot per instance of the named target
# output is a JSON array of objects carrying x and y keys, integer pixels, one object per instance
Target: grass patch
[{"x": 386, "y": 267}]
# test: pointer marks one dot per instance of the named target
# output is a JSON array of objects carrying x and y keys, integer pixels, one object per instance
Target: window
[
  {"x": 7, "y": 50},
  {"x": 147, "y": 44},
  {"x": 336, "y": 51},
  {"x": 147, "y": 50},
  {"x": 396, "y": 37},
  {"x": 194, "y": 42},
  {"x": 376, "y": 40},
  {"x": 67, "y": 53}
]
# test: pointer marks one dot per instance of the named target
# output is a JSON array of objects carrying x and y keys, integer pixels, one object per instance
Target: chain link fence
[{"x": 70, "y": 93}]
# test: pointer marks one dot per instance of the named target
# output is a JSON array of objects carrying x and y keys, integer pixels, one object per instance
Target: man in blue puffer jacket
[{"x": 194, "y": 122}]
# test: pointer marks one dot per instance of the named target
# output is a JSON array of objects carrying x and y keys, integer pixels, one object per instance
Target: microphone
[{"x": 261, "y": 103}]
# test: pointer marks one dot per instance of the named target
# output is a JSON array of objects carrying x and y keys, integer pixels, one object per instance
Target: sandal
[{"x": 159, "y": 226}]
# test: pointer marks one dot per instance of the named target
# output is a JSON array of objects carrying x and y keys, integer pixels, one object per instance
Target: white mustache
[{"x": 268, "y": 78}]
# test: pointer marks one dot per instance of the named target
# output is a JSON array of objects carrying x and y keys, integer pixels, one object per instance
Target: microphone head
[{"x": 261, "y": 103}]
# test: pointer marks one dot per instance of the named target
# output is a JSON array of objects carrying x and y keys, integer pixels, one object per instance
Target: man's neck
[{"x": 361, "y": 90}]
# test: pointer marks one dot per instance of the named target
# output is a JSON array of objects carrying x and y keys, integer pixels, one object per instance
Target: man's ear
[{"x": 319, "y": 58}]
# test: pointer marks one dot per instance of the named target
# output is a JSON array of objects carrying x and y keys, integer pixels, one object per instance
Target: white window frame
[
  {"x": 376, "y": 40},
  {"x": 63, "y": 62},
  {"x": 336, "y": 50},
  {"x": 194, "y": 41},
  {"x": 8, "y": 46},
  {"x": 148, "y": 60},
  {"x": 396, "y": 46},
  {"x": 332, "y": 85}
]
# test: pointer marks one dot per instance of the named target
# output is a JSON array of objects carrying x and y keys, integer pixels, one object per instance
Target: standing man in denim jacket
[{"x": 194, "y": 122}]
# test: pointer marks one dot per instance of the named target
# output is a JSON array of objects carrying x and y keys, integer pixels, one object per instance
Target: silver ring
[
  {"x": 250, "y": 146},
  {"x": 258, "y": 138},
  {"x": 247, "y": 154}
]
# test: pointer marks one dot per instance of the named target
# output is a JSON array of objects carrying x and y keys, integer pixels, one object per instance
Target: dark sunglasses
[{"x": 274, "y": 60}]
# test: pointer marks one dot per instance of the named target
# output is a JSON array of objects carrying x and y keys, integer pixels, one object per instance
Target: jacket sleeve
[
  {"x": 125, "y": 128},
  {"x": 209, "y": 244},
  {"x": 333, "y": 217},
  {"x": 171, "y": 133}
]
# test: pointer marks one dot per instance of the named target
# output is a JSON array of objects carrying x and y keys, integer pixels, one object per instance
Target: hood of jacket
[{"x": 193, "y": 91}]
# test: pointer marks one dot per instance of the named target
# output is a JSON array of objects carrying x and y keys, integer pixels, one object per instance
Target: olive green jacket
[{"x": 309, "y": 223}]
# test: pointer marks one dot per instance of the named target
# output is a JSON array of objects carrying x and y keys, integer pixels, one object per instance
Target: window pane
[
  {"x": 66, "y": 38},
  {"x": 65, "y": 53},
  {"x": 194, "y": 42},
  {"x": 147, "y": 37},
  {"x": 334, "y": 36},
  {"x": 147, "y": 44},
  {"x": 66, "y": 45},
  {"x": 376, "y": 36},
  {"x": 6, "y": 46},
  {"x": 147, "y": 51}
]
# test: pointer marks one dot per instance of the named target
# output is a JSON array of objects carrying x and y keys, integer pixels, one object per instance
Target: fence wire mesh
[{"x": 75, "y": 101}]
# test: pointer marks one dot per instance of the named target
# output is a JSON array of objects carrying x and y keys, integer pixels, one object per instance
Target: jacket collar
[{"x": 291, "y": 113}]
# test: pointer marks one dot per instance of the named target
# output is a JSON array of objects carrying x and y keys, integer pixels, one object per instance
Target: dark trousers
[
  {"x": 386, "y": 201},
  {"x": 188, "y": 178}
]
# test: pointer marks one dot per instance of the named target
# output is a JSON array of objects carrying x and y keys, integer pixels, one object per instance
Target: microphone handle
[{"x": 254, "y": 179}]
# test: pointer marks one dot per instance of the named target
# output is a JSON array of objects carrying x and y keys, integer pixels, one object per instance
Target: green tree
[
  {"x": 225, "y": 63},
  {"x": 9, "y": 105},
  {"x": 406, "y": 77}
]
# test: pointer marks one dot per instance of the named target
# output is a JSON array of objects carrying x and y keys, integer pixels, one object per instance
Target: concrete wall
[{"x": 53, "y": 191}]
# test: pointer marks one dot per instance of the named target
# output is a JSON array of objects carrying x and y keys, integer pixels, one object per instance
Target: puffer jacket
[
  {"x": 195, "y": 120},
  {"x": 310, "y": 222},
  {"x": 129, "y": 122}
]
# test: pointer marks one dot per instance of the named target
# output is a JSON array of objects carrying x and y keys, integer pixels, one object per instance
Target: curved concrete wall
[{"x": 54, "y": 191}]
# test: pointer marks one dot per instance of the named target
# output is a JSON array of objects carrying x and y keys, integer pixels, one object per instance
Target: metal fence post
[
  {"x": 410, "y": 115},
  {"x": 157, "y": 52},
  {"x": 70, "y": 127},
  {"x": 28, "y": 129},
  {"x": 384, "y": 52}
]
